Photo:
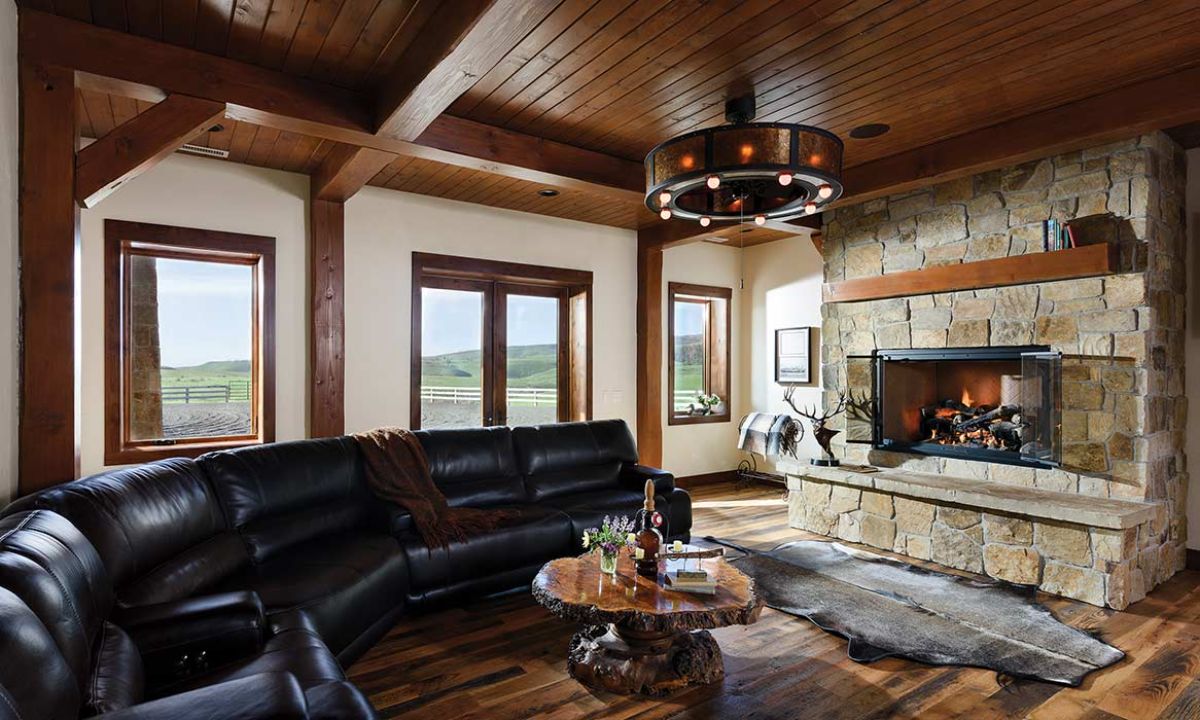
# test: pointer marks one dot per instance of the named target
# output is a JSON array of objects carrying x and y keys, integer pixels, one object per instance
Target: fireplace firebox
[{"x": 997, "y": 404}]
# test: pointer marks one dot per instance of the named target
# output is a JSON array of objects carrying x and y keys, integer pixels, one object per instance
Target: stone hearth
[{"x": 1122, "y": 337}]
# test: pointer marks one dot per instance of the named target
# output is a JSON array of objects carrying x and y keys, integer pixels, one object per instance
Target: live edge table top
[{"x": 575, "y": 589}]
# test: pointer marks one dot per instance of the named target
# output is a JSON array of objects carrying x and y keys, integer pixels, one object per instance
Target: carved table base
[{"x": 626, "y": 661}]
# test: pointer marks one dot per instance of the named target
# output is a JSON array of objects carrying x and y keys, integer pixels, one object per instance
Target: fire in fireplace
[{"x": 1000, "y": 404}]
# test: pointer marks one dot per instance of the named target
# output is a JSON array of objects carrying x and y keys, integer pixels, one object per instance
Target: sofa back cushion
[
  {"x": 47, "y": 563},
  {"x": 157, "y": 528},
  {"x": 475, "y": 466},
  {"x": 572, "y": 457},
  {"x": 282, "y": 494}
]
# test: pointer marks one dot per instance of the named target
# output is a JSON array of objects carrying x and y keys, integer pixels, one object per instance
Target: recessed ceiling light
[
  {"x": 216, "y": 128},
  {"x": 870, "y": 130},
  {"x": 547, "y": 192}
]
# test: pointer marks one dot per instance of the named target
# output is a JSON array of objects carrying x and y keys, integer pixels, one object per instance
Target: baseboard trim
[
  {"x": 1193, "y": 559},
  {"x": 691, "y": 481}
]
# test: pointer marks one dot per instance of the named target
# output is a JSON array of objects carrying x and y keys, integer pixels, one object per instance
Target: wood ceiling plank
[
  {"x": 264, "y": 142},
  {"x": 179, "y": 22},
  {"x": 282, "y": 21},
  {"x": 385, "y": 175},
  {"x": 282, "y": 150},
  {"x": 246, "y": 29},
  {"x": 342, "y": 38},
  {"x": 123, "y": 109},
  {"x": 100, "y": 113},
  {"x": 314, "y": 27},
  {"x": 75, "y": 9},
  {"x": 463, "y": 41},
  {"x": 384, "y": 65},
  {"x": 145, "y": 18},
  {"x": 223, "y": 139},
  {"x": 110, "y": 14},
  {"x": 243, "y": 140},
  {"x": 213, "y": 21},
  {"x": 384, "y": 24},
  {"x": 138, "y": 145},
  {"x": 83, "y": 122},
  {"x": 319, "y": 155},
  {"x": 301, "y": 154},
  {"x": 345, "y": 170}
]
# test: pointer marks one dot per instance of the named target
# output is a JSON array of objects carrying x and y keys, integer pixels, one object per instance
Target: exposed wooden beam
[
  {"x": 130, "y": 66},
  {"x": 327, "y": 351},
  {"x": 49, "y": 245},
  {"x": 345, "y": 170},
  {"x": 1163, "y": 102},
  {"x": 139, "y": 144},
  {"x": 649, "y": 309},
  {"x": 459, "y": 44}
]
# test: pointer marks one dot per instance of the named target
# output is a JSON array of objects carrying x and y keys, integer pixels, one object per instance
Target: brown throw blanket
[{"x": 398, "y": 472}]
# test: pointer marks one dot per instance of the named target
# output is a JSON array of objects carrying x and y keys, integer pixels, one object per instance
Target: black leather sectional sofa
[{"x": 239, "y": 584}]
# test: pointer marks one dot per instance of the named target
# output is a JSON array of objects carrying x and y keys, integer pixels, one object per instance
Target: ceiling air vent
[{"x": 203, "y": 151}]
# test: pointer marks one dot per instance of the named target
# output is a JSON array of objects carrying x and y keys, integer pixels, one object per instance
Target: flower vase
[{"x": 608, "y": 563}]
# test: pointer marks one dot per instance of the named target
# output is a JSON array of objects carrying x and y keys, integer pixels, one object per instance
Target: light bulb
[
  {"x": 664, "y": 198},
  {"x": 810, "y": 207},
  {"x": 705, "y": 221},
  {"x": 825, "y": 191},
  {"x": 665, "y": 213},
  {"x": 713, "y": 182},
  {"x": 784, "y": 178},
  {"x": 760, "y": 219}
]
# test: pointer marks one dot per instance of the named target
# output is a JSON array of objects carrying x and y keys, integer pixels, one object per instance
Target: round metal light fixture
[{"x": 744, "y": 170}]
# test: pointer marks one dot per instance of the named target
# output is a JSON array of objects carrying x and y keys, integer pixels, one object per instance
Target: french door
[{"x": 491, "y": 353}]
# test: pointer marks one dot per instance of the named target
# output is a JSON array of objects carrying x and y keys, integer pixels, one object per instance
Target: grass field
[{"x": 217, "y": 372}]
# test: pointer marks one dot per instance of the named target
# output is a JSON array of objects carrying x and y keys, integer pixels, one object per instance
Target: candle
[
  {"x": 639, "y": 553},
  {"x": 677, "y": 546}
]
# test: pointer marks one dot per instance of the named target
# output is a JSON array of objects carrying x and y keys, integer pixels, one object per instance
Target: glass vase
[{"x": 608, "y": 563}]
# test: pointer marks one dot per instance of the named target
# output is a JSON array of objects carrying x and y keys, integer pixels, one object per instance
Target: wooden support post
[
  {"x": 49, "y": 246},
  {"x": 649, "y": 351},
  {"x": 327, "y": 405}
]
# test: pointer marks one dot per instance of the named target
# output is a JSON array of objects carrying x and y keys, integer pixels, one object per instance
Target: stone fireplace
[{"x": 1087, "y": 501}]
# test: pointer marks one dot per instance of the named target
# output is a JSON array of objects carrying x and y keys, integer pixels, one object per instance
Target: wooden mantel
[{"x": 1080, "y": 262}]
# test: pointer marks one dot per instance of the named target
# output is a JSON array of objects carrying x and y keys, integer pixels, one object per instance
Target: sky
[
  {"x": 451, "y": 320},
  {"x": 204, "y": 311}
]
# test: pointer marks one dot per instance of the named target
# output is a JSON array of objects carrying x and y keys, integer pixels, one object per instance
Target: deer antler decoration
[{"x": 820, "y": 432}]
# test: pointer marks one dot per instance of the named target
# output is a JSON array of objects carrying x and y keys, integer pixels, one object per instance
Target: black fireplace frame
[{"x": 879, "y": 360}]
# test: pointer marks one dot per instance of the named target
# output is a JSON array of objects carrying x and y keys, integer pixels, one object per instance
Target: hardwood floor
[{"x": 506, "y": 657}]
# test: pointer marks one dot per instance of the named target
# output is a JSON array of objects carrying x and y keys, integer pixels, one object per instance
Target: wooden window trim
[
  {"x": 185, "y": 243},
  {"x": 717, "y": 359},
  {"x": 573, "y": 288}
]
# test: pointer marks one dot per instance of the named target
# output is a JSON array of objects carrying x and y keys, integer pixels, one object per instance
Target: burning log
[
  {"x": 1004, "y": 413},
  {"x": 951, "y": 422}
]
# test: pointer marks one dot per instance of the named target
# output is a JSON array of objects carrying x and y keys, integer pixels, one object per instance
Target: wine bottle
[{"x": 649, "y": 539}]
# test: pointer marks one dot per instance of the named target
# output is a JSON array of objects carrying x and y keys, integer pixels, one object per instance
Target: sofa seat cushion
[
  {"x": 587, "y": 509},
  {"x": 344, "y": 583},
  {"x": 532, "y": 534},
  {"x": 300, "y": 653}
]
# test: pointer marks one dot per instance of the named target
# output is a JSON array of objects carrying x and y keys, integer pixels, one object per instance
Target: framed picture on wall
[{"x": 793, "y": 364}]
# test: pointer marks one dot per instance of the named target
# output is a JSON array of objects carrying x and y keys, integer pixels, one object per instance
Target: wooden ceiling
[{"x": 618, "y": 76}]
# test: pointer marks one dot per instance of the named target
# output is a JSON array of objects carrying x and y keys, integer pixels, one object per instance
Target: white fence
[{"x": 534, "y": 397}]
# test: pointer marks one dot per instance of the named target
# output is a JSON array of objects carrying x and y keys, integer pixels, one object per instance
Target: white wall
[
  {"x": 1192, "y": 345},
  {"x": 200, "y": 193},
  {"x": 783, "y": 290},
  {"x": 9, "y": 135},
  {"x": 707, "y": 447},
  {"x": 384, "y": 227}
]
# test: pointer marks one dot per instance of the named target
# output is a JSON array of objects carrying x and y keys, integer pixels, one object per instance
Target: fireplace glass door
[{"x": 998, "y": 404}]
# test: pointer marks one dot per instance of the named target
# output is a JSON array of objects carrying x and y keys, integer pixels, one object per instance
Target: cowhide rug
[{"x": 888, "y": 608}]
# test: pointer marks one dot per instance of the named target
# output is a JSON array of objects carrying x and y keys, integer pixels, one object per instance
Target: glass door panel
[
  {"x": 531, "y": 366},
  {"x": 454, "y": 377}
]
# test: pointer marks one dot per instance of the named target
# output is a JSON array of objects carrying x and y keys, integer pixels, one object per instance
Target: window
[
  {"x": 189, "y": 330},
  {"x": 698, "y": 361},
  {"x": 498, "y": 343}
]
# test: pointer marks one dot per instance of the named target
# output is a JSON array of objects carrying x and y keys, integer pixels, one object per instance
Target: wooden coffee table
[{"x": 639, "y": 637}]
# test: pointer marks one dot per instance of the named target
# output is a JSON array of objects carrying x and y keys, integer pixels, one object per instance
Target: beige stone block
[
  {"x": 993, "y": 222},
  {"x": 816, "y": 494},
  {"x": 1130, "y": 345},
  {"x": 959, "y": 518},
  {"x": 864, "y": 261},
  {"x": 1017, "y": 302},
  {"x": 1118, "y": 199},
  {"x": 955, "y": 549},
  {"x": 918, "y": 547},
  {"x": 984, "y": 203},
  {"x": 1096, "y": 344},
  {"x": 1082, "y": 396},
  {"x": 1065, "y": 543},
  {"x": 1073, "y": 289},
  {"x": 928, "y": 338},
  {"x": 1027, "y": 176},
  {"x": 1100, "y": 425},
  {"x": 1028, "y": 214},
  {"x": 945, "y": 254},
  {"x": 1012, "y": 332},
  {"x": 878, "y": 503},
  {"x": 1015, "y": 564},
  {"x": 909, "y": 206},
  {"x": 954, "y": 191},
  {"x": 931, "y": 318},
  {"x": 1074, "y": 425},
  {"x": 1027, "y": 237},
  {"x": 899, "y": 258},
  {"x": 878, "y": 532},
  {"x": 1119, "y": 586},
  {"x": 941, "y": 225},
  {"x": 897, "y": 335},
  {"x": 975, "y": 308},
  {"x": 844, "y": 498},
  {"x": 1093, "y": 204},
  {"x": 1013, "y": 475},
  {"x": 1085, "y": 456},
  {"x": 1073, "y": 582},
  {"x": 1007, "y": 529},
  {"x": 1119, "y": 379},
  {"x": 1056, "y": 480},
  {"x": 1130, "y": 413},
  {"x": 1125, "y": 291},
  {"x": 1084, "y": 184},
  {"x": 969, "y": 333},
  {"x": 849, "y": 526},
  {"x": 1113, "y": 546},
  {"x": 888, "y": 311},
  {"x": 1078, "y": 305},
  {"x": 1109, "y": 321},
  {"x": 986, "y": 247},
  {"x": 1053, "y": 329},
  {"x": 821, "y": 521},
  {"x": 1120, "y": 447},
  {"x": 914, "y": 516}
]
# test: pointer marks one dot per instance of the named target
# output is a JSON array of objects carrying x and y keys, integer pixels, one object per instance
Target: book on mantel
[{"x": 690, "y": 581}]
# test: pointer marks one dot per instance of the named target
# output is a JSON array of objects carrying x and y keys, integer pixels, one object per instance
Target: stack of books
[
  {"x": 690, "y": 581},
  {"x": 1057, "y": 236}
]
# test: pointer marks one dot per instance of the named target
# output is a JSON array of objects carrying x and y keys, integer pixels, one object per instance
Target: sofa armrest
[
  {"x": 267, "y": 696},
  {"x": 634, "y": 476},
  {"x": 185, "y": 637}
]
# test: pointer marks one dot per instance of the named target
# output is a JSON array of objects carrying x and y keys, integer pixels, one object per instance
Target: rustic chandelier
[{"x": 765, "y": 171}]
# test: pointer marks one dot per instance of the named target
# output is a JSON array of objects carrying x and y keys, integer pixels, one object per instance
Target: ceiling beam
[
  {"x": 346, "y": 169},
  {"x": 113, "y": 62},
  {"x": 459, "y": 43},
  {"x": 139, "y": 144}
]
